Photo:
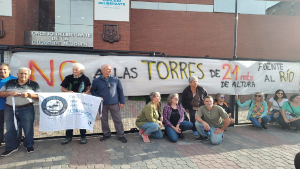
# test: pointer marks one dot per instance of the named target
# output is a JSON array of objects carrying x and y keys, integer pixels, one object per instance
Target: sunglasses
[
  {"x": 257, "y": 95},
  {"x": 279, "y": 93},
  {"x": 222, "y": 97},
  {"x": 108, "y": 84}
]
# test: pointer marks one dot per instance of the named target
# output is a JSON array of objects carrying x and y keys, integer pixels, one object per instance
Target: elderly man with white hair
[
  {"x": 22, "y": 91},
  {"x": 110, "y": 89},
  {"x": 78, "y": 83}
]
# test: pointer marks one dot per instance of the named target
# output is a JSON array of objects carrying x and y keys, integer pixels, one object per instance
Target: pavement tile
[{"x": 242, "y": 147}]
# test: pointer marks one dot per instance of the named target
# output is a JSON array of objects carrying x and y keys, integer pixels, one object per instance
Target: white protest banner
[
  {"x": 142, "y": 75},
  {"x": 61, "y": 111}
]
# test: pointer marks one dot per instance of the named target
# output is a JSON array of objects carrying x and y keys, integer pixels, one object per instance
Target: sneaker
[
  {"x": 195, "y": 133},
  {"x": 67, "y": 140},
  {"x": 180, "y": 135},
  {"x": 83, "y": 140},
  {"x": 122, "y": 139},
  {"x": 30, "y": 150},
  {"x": 264, "y": 126},
  {"x": 104, "y": 138},
  {"x": 141, "y": 132},
  {"x": 145, "y": 138},
  {"x": 8, "y": 152},
  {"x": 201, "y": 138}
]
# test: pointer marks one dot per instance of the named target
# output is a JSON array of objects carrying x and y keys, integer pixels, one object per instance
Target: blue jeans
[
  {"x": 264, "y": 120},
  {"x": 215, "y": 139},
  {"x": 25, "y": 116},
  {"x": 272, "y": 114},
  {"x": 173, "y": 136},
  {"x": 153, "y": 129},
  {"x": 19, "y": 135}
]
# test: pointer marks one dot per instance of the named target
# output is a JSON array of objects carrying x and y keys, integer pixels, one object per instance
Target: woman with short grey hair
[
  {"x": 173, "y": 120},
  {"x": 79, "y": 66},
  {"x": 258, "y": 109},
  {"x": 150, "y": 120},
  {"x": 192, "y": 98},
  {"x": 76, "y": 83}
]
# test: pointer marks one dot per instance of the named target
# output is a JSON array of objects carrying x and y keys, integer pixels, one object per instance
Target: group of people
[
  {"x": 209, "y": 116},
  {"x": 17, "y": 95},
  {"x": 206, "y": 117},
  {"x": 284, "y": 111}
]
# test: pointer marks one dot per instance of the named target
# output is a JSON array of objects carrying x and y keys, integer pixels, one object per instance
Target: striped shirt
[{"x": 28, "y": 87}]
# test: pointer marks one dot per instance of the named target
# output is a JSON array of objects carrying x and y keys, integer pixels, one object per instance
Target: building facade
[{"x": 177, "y": 27}]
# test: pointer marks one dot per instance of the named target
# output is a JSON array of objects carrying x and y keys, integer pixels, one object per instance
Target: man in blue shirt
[
  {"x": 109, "y": 88},
  {"x": 4, "y": 77}
]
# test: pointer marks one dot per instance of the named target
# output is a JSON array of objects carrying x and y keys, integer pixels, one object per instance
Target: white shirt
[{"x": 275, "y": 104}]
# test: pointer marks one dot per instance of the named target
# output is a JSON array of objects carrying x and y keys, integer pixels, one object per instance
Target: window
[{"x": 66, "y": 16}]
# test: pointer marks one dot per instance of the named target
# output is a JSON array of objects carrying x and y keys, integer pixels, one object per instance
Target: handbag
[
  {"x": 196, "y": 99},
  {"x": 290, "y": 115}
]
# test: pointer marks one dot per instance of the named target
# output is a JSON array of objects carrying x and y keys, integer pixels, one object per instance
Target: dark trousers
[
  {"x": 1, "y": 126},
  {"x": 69, "y": 133},
  {"x": 192, "y": 118},
  {"x": 114, "y": 110},
  {"x": 285, "y": 125},
  {"x": 19, "y": 131}
]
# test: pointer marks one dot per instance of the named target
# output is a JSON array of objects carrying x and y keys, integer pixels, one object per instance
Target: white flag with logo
[{"x": 61, "y": 111}]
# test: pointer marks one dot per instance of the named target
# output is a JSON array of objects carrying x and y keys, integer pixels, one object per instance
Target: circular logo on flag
[{"x": 54, "y": 105}]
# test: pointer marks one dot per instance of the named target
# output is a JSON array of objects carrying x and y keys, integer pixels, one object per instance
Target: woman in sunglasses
[
  {"x": 290, "y": 113},
  {"x": 220, "y": 101},
  {"x": 258, "y": 110},
  {"x": 276, "y": 103}
]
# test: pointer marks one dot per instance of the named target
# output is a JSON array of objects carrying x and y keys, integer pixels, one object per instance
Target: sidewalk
[{"x": 242, "y": 147}]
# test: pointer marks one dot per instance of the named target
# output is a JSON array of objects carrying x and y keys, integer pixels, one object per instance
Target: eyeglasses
[
  {"x": 222, "y": 97},
  {"x": 108, "y": 84},
  {"x": 175, "y": 98},
  {"x": 279, "y": 93},
  {"x": 257, "y": 95}
]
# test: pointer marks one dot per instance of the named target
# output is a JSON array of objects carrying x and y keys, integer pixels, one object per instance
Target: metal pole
[
  {"x": 235, "y": 31},
  {"x": 2, "y": 56},
  {"x": 233, "y": 106}
]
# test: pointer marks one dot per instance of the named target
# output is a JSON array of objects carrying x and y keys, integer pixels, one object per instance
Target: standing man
[
  {"x": 209, "y": 121},
  {"x": 4, "y": 77},
  {"x": 109, "y": 88},
  {"x": 22, "y": 91}
]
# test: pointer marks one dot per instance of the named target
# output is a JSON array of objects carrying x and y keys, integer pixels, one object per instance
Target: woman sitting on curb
[
  {"x": 150, "y": 120},
  {"x": 258, "y": 110},
  {"x": 174, "y": 123},
  {"x": 276, "y": 103},
  {"x": 290, "y": 113}
]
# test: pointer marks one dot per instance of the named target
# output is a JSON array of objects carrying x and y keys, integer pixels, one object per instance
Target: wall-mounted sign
[
  {"x": 111, "y": 33},
  {"x": 68, "y": 39},
  {"x": 112, "y": 10},
  {"x": 5, "y": 8}
]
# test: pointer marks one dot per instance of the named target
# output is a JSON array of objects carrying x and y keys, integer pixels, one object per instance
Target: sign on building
[
  {"x": 112, "y": 10},
  {"x": 41, "y": 38},
  {"x": 5, "y": 8}
]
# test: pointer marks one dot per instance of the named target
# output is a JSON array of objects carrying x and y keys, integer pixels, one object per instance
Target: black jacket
[{"x": 187, "y": 97}]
